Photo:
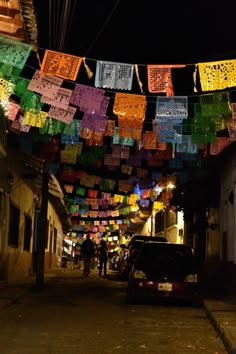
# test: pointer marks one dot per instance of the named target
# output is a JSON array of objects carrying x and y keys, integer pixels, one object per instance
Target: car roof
[
  {"x": 143, "y": 238},
  {"x": 168, "y": 245}
]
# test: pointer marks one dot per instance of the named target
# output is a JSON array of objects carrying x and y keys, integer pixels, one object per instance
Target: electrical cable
[{"x": 103, "y": 27}]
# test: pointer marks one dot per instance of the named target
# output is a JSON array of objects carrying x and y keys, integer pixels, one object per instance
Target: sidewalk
[
  {"x": 222, "y": 314},
  {"x": 221, "y": 311},
  {"x": 11, "y": 293}
]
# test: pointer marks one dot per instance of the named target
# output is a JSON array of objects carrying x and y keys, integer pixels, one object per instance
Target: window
[
  {"x": 14, "y": 221},
  {"x": 171, "y": 218},
  {"x": 54, "y": 240},
  {"x": 46, "y": 235},
  {"x": 27, "y": 233},
  {"x": 159, "y": 221}
]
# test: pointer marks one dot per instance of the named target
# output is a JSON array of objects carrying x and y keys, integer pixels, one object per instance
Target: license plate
[{"x": 164, "y": 287}]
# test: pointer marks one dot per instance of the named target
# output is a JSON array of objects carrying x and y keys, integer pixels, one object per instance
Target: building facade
[{"x": 20, "y": 208}]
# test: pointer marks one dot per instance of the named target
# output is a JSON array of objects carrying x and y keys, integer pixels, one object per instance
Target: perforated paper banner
[
  {"x": 68, "y": 188},
  {"x": 52, "y": 127},
  {"x": 80, "y": 191},
  {"x": 21, "y": 86},
  {"x": 114, "y": 75},
  {"x": 106, "y": 196},
  {"x": 118, "y": 198},
  {"x": 68, "y": 157},
  {"x": 92, "y": 193},
  {"x": 129, "y": 127},
  {"x": 64, "y": 115},
  {"x": 124, "y": 211},
  {"x": 88, "y": 181},
  {"x": 202, "y": 134},
  {"x": 170, "y": 133},
  {"x": 45, "y": 84},
  {"x": 68, "y": 174},
  {"x": 107, "y": 184},
  {"x": 117, "y": 139},
  {"x": 174, "y": 108},
  {"x": 6, "y": 89},
  {"x": 186, "y": 145},
  {"x": 217, "y": 75},
  {"x": 160, "y": 78},
  {"x": 120, "y": 151},
  {"x": 60, "y": 99},
  {"x": 31, "y": 100},
  {"x": 7, "y": 70},
  {"x": 126, "y": 169},
  {"x": 35, "y": 119},
  {"x": 125, "y": 186},
  {"x": 70, "y": 132},
  {"x": 61, "y": 64},
  {"x": 150, "y": 140},
  {"x": 94, "y": 122},
  {"x": 129, "y": 105},
  {"x": 133, "y": 198},
  {"x": 14, "y": 52},
  {"x": 216, "y": 106},
  {"x": 110, "y": 126},
  {"x": 89, "y": 99},
  {"x": 12, "y": 110},
  {"x": 109, "y": 160}
]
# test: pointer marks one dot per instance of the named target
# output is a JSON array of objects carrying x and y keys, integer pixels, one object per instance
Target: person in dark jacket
[
  {"x": 103, "y": 257},
  {"x": 87, "y": 254}
]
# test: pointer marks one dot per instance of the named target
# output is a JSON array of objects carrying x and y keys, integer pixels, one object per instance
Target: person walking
[
  {"x": 103, "y": 257},
  {"x": 87, "y": 254}
]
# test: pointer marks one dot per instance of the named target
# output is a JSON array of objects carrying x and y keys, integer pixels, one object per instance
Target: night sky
[{"x": 140, "y": 32}]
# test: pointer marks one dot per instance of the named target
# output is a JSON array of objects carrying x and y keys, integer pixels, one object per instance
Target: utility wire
[
  {"x": 103, "y": 27},
  {"x": 60, "y": 20}
]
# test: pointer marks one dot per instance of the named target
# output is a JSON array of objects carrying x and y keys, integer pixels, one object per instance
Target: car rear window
[{"x": 165, "y": 253}]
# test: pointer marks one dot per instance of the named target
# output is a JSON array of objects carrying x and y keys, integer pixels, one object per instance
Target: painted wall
[
  {"x": 19, "y": 261},
  {"x": 15, "y": 262},
  {"x": 55, "y": 239}
]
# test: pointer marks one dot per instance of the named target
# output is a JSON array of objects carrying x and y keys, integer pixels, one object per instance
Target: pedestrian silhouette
[
  {"x": 87, "y": 254},
  {"x": 103, "y": 257}
]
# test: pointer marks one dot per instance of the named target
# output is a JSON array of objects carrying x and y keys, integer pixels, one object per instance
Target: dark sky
[{"x": 140, "y": 32}]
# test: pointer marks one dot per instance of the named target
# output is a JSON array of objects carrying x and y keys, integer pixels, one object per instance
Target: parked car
[
  {"x": 137, "y": 241},
  {"x": 134, "y": 246},
  {"x": 163, "y": 270}
]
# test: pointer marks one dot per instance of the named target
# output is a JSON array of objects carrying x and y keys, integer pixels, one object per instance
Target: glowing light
[{"x": 170, "y": 185}]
